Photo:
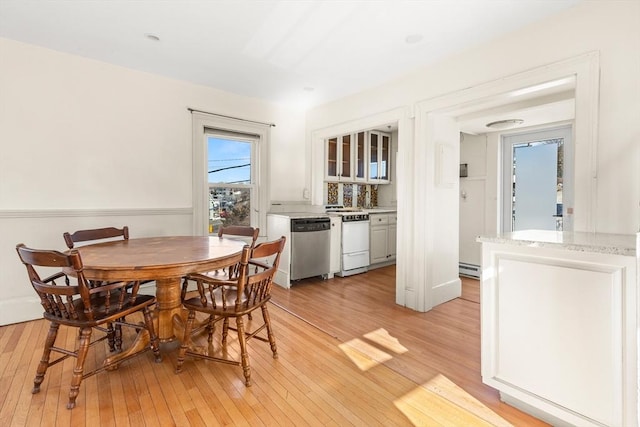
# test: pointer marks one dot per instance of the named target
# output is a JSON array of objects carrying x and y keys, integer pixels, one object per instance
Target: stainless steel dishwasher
[{"x": 310, "y": 239}]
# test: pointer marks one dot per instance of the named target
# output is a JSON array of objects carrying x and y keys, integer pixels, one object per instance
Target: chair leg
[
  {"x": 272, "y": 338},
  {"x": 155, "y": 341},
  {"x": 243, "y": 351},
  {"x": 225, "y": 330},
  {"x": 118, "y": 335},
  {"x": 46, "y": 355},
  {"x": 114, "y": 336},
  {"x": 111, "y": 333},
  {"x": 76, "y": 379},
  {"x": 211, "y": 328},
  {"x": 186, "y": 340}
]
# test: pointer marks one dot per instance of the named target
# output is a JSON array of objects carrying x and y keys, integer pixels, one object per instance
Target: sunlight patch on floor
[
  {"x": 381, "y": 336},
  {"x": 441, "y": 402},
  {"x": 438, "y": 402},
  {"x": 364, "y": 355}
]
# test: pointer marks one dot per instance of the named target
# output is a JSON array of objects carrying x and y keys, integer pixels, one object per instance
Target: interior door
[{"x": 535, "y": 179}]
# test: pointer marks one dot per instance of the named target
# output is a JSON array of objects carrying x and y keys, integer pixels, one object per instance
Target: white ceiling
[
  {"x": 544, "y": 103},
  {"x": 297, "y": 53}
]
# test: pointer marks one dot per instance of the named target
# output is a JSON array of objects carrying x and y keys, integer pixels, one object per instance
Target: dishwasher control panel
[{"x": 301, "y": 225}]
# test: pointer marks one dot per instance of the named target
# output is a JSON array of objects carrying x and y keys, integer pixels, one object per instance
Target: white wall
[
  {"x": 473, "y": 152},
  {"x": 88, "y": 144},
  {"x": 87, "y": 137},
  {"x": 611, "y": 28}
]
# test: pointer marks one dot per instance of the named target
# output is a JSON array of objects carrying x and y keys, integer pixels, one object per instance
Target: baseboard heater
[{"x": 470, "y": 270}]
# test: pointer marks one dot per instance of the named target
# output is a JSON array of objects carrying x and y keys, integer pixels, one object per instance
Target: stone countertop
[
  {"x": 380, "y": 210},
  {"x": 614, "y": 244},
  {"x": 298, "y": 215}
]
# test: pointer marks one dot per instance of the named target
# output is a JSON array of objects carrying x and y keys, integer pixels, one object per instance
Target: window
[
  {"x": 216, "y": 141},
  {"x": 537, "y": 179},
  {"x": 230, "y": 168}
]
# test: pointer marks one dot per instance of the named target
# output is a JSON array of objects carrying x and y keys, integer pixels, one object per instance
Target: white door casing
[
  {"x": 417, "y": 149},
  {"x": 422, "y": 281}
]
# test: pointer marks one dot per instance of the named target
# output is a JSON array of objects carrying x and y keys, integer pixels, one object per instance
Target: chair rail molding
[{"x": 51, "y": 213}]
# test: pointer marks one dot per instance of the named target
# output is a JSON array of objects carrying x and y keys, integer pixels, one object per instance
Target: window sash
[{"x": 204, "y": 123}]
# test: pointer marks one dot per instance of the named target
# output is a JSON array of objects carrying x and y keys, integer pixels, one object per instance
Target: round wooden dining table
[{"x": 163, "y": 259}]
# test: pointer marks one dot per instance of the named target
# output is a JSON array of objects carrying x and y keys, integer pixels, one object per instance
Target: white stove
[
  {"x": 355, "y": 240},
  {"x": 347, "y": 214}
]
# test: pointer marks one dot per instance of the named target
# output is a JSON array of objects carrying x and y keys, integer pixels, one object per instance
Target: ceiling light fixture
[
  {"x": 152, "y": 37},
  {"x": 308, "y": 89},
  {"x": 413, "y": 38},
  {"x": 504, "y": 124}
]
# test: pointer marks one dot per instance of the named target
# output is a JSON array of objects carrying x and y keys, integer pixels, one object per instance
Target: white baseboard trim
[
  {"x": 21, "y": 309},
  {"x": 446, "y": 291},
  {"x": 382, "y": 264},
  {"x": 282, "y": 279}
]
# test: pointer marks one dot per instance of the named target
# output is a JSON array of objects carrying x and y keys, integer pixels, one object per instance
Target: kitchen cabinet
[
  {"x": 335, "y": 247},
  {"x": 393, "y": 233},
  {"x": 382, "y": 237},
  {"x": 360, "y": 157},
  {"x": 339, "y": 159},
  {"x": 279, "y": 224},
  {"x": 559, "y": 320},
  {"x": 379, "y": 156}
]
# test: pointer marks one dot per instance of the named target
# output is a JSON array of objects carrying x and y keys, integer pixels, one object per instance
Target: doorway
[
  {"x": 438, "y": 201},
  {"x": 536, "y": 179}
]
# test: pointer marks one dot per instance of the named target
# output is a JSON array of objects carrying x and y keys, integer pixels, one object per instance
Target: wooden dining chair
[
  {"x": 249, "y": 234},
  {"x": 226, "y": 299},
  {"x": 98, "y": 235},
  {"x": 68, "y": 300},
  {"x": 241, "y": 232},
  {"x": 95, "y": 235}
]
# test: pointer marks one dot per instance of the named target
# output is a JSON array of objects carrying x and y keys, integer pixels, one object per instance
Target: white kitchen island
[{"x": 560, "y": 325}]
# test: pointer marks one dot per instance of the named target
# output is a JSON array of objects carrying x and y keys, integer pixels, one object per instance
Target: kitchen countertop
[
  {"x": 380, "y": 210},
  {"x": 298, "y": 215},
  {"x": 307, "y": 214},
  {"x": 614, "y": 244}
]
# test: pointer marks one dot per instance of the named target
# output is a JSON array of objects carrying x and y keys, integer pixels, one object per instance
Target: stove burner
[{"x": 355, "y": 217}]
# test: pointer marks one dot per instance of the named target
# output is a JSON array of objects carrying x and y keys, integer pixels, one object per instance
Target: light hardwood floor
[{"x": 348, "y": 356}]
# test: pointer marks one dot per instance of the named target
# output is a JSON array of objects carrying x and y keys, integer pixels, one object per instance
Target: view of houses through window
[
  {"x": 231, "y": 187},
  {"x": 537, "y": 185}
]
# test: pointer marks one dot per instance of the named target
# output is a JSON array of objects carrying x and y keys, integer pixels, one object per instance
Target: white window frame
[
  {"x": 252, "y": 187},
  {"x": 204, "y": 125},
  {"x": 509, "y": 140}
]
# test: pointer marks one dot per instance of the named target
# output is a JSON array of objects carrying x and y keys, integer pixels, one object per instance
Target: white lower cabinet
[
  {"x": 393, "y": 232},
  {"x": 560, "y": 329},
  {"x": 382, "y": 237},
  {"x": 335, "y": 245}
]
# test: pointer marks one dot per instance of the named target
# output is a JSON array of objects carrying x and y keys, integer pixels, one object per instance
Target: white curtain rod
[{"x": 192, "y": 110}]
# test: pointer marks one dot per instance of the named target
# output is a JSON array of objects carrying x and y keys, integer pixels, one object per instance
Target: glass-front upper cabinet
[
  {"x": 339, "y": 165},
  {"x": 383, "y": 150},
  {"x": 379, "y": 148},
  {"x": 360, "y": 161}
]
